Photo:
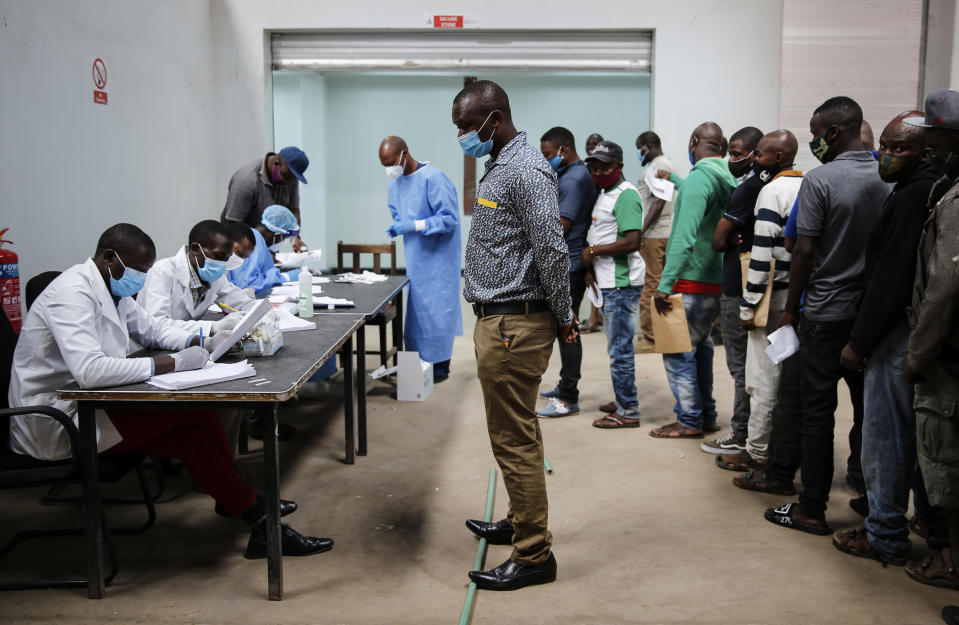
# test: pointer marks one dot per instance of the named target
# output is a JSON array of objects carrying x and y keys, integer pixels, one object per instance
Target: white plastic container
[{"x": 305, "y": 306}]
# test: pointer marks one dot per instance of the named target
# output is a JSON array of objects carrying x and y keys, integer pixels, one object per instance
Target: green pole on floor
[
  {"x": 549, "y": 469},
  {"x": 480, "y": 550}
]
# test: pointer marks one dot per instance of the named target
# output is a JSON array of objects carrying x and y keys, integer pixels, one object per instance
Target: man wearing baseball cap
[
  {"x": 614, "y": 266},
  {"x": 272, "y": 179},
  {"x": 932, "y": 362}
]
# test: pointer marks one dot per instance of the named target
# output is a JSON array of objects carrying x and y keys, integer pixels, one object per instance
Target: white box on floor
[{"x": 414, "y": 377}]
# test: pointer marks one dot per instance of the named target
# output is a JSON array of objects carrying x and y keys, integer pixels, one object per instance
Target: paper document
[
  {"x": 783, "y": 343},
  {"x": 298, "y": 259},
  {"x": 367, "y": 277},
  {"x": 316, "y": 280},
  {"x": 595, "y": 296},
  {"x": 210, "y": 374},
  {"x": 292, "y": 292},
  {"x": 670, "y": 331},
  {"x": 332, "y": 301},
  {"x": 291, "y": 323},
  {"x": 243, "y": 328},
  {"x": 663, "y": 189},
  {"x": 761, "y": 314}
]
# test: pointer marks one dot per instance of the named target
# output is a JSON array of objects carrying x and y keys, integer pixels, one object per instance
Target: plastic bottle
[{"x": 306, "y": 293}]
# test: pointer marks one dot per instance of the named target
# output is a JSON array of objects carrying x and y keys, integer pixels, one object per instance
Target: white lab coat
[
  {"x": 74, "y": 332},
  {"x": 166, "y": 293}
]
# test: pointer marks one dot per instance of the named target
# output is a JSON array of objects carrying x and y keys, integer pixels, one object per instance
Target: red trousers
[{"x": 196, "y": 438}]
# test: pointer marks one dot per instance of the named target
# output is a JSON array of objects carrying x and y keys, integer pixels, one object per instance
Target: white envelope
[{"x": 783, "y": 343}]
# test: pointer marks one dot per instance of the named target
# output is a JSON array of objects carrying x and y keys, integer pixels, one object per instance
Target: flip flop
[
  {"x": 675, "y": 430},
  {"x": 615, "y": 422}
]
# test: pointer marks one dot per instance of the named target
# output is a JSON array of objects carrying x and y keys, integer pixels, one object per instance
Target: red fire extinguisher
[{"x": 10, "y": 283}]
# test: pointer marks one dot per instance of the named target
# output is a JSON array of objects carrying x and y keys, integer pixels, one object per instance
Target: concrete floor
[{"x": 646, "y": 531}]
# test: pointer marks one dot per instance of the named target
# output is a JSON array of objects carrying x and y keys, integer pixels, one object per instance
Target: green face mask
[
  {"x": 895, "y": 168},
  {"x": 819, "y": 148}
]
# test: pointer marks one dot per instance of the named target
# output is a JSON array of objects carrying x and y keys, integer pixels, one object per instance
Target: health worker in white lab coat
[
  {"x": 79, "y": 330},
  {"x": 184, "y": 286},
  {"x": 425, "y": 212}
]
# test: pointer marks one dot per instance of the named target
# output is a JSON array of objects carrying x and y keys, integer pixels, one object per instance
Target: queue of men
[{"x": 860, "y": 256}]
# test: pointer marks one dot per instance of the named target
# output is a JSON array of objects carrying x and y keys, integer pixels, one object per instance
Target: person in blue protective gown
[
  {"x": 258, "y": 271},
  {"x": 425, "y": 212}
]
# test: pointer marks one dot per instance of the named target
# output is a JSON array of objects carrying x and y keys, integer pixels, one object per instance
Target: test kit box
[{"x": 414, "y": 377}]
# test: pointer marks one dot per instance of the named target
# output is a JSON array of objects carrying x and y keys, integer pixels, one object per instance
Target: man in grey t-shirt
[{"x": 838, "y": 205}]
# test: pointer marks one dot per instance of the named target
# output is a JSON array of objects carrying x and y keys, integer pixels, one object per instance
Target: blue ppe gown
[
  {"x": 433, "y": 316},
  {"x": 257, "y": 272}
]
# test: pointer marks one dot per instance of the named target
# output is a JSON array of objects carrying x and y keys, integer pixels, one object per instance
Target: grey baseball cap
[
  {"x": 607, "y": 152},
  {"x": 942, "y": 111}
]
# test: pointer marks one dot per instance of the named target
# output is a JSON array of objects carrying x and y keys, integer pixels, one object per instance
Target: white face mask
[
  {"x": 395, "y": 171},
  {"x": 274, "y": 248},
  {"x": 234, "y": 262}
]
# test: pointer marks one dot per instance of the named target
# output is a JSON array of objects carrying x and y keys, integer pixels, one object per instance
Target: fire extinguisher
[{"x": 10, "y": 283}]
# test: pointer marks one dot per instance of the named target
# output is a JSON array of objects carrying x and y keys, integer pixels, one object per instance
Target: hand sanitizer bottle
[{"x": 305, "y": 307}]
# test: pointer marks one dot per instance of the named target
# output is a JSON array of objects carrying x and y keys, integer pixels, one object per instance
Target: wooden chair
[{"x": 388, "y": 315}]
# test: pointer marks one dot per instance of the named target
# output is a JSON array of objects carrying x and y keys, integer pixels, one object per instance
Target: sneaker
[
  {"x": 551, "y": 394},
  {"x": 728, "y": 444},
  {"x": 558, "y": 408}
]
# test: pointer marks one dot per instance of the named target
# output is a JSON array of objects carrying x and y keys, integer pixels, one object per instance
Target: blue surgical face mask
[
  {"x": 692, "y": 161},
  {"x": 212, "y": 270},
  {"x": 640, "y": 154},
  {"x": 556, "y": 161},
  {"x": 471, "y": 144},
  {"x": 129, "y": 283}
]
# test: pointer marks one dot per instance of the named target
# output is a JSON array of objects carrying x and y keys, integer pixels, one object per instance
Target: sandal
[
  {"x": 935, "y": 570},
  {"x": 785, "y": 516},
  {"x": 755, "y": 480},
  {"x": 588, "y": 328},
  {"x": 712, "y": 427},
  {"x": 740, "y": 461},
  {"x": 608, "y": 407},
  {"x": 855, "y": 542},
  {"x": 675, "y": 430},
  {"x": 615, "y": 422}
]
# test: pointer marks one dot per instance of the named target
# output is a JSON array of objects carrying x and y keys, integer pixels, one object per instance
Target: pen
[
  {"x": 227, "y": 307},
  {"x": 201, "y": 336}
]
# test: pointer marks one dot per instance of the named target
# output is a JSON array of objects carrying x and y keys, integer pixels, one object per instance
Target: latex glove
[
  {"x": 228, "y": 322},
  {"x": 191, "y": 358},
  {"x": 399, "y": 228}
]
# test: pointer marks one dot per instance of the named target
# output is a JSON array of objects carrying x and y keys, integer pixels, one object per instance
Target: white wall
[
  {"x": 71, "y": 168},
  {"x": 714, "y": 60}
]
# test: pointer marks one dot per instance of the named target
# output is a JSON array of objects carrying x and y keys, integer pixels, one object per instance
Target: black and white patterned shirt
[
  {"x": 197, "y": 286},
  {"x": 516, "y": 250}
]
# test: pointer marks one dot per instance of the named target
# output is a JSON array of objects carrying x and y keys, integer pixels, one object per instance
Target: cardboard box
[{"x": 414, "y": 377}]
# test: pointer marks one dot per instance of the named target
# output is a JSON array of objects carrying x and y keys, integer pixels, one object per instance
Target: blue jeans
[
  {"x": 619, "y": 319},
  {"x": 888, "y": 444},
  {"x": 690, "y": 374}
]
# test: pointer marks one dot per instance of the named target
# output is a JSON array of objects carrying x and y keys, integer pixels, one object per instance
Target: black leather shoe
[
  {"x": 286, "y": 507},
  {"x": 294, "y": 543},
  {"x": 510, "y": 576},
  {"x": 499, "y": 533}
]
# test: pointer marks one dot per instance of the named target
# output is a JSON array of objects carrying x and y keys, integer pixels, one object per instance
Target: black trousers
[
  {"x": 804, "y": 420},
  {"x": 571, "y": 354}
]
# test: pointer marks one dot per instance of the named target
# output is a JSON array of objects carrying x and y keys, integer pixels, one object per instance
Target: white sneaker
[{"x": 558, "y": 408}]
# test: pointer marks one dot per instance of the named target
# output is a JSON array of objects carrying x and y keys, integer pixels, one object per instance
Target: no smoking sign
[{"x": 99, "y": 81}]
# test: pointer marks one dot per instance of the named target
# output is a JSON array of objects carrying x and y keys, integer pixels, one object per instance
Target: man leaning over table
[{"x": 78, "y": 331}]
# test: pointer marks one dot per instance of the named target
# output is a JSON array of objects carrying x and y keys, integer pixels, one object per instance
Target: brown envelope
[
  {"x": 761, "y": 317},
  {"x": 670, "y": 332}
]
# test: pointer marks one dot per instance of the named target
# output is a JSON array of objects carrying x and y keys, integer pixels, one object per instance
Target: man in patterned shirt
[{"x": 517, "y": 278}]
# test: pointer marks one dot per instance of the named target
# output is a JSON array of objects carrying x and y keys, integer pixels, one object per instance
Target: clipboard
[
  {"x": 761, "y": 316},
  {"x": 670, "y": 331}
]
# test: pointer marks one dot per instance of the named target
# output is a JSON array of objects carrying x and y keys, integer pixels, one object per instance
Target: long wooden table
[{"x": 303, "y": 353}]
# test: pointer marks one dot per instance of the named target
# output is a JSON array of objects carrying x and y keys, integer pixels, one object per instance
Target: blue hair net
[{"x": 280, "y": 219}]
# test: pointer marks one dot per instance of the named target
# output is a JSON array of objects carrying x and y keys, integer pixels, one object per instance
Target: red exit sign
[{"x": 447, "y": 21}]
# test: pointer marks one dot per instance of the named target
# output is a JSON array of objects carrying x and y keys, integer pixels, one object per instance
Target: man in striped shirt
[{"x": 772, "y": 167}]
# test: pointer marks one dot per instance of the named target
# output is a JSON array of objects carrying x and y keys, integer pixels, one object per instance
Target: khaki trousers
[
  {"x": 653, "y": 252},
  {"x": 510, "y": 377}
]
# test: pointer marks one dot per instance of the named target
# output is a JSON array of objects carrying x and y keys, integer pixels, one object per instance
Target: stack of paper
[
  {"x": 210, "y": 374},
  {"x": 291, "y": 323},
  {"x": 367, "y": 277},
  {"x": 316, "y": 280},
  {"x": 292, "y": 291},
  {"x": 331, "y": 301}
]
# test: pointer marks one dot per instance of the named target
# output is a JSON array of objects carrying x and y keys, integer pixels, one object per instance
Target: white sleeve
[{"x": 153, "y": 332}]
